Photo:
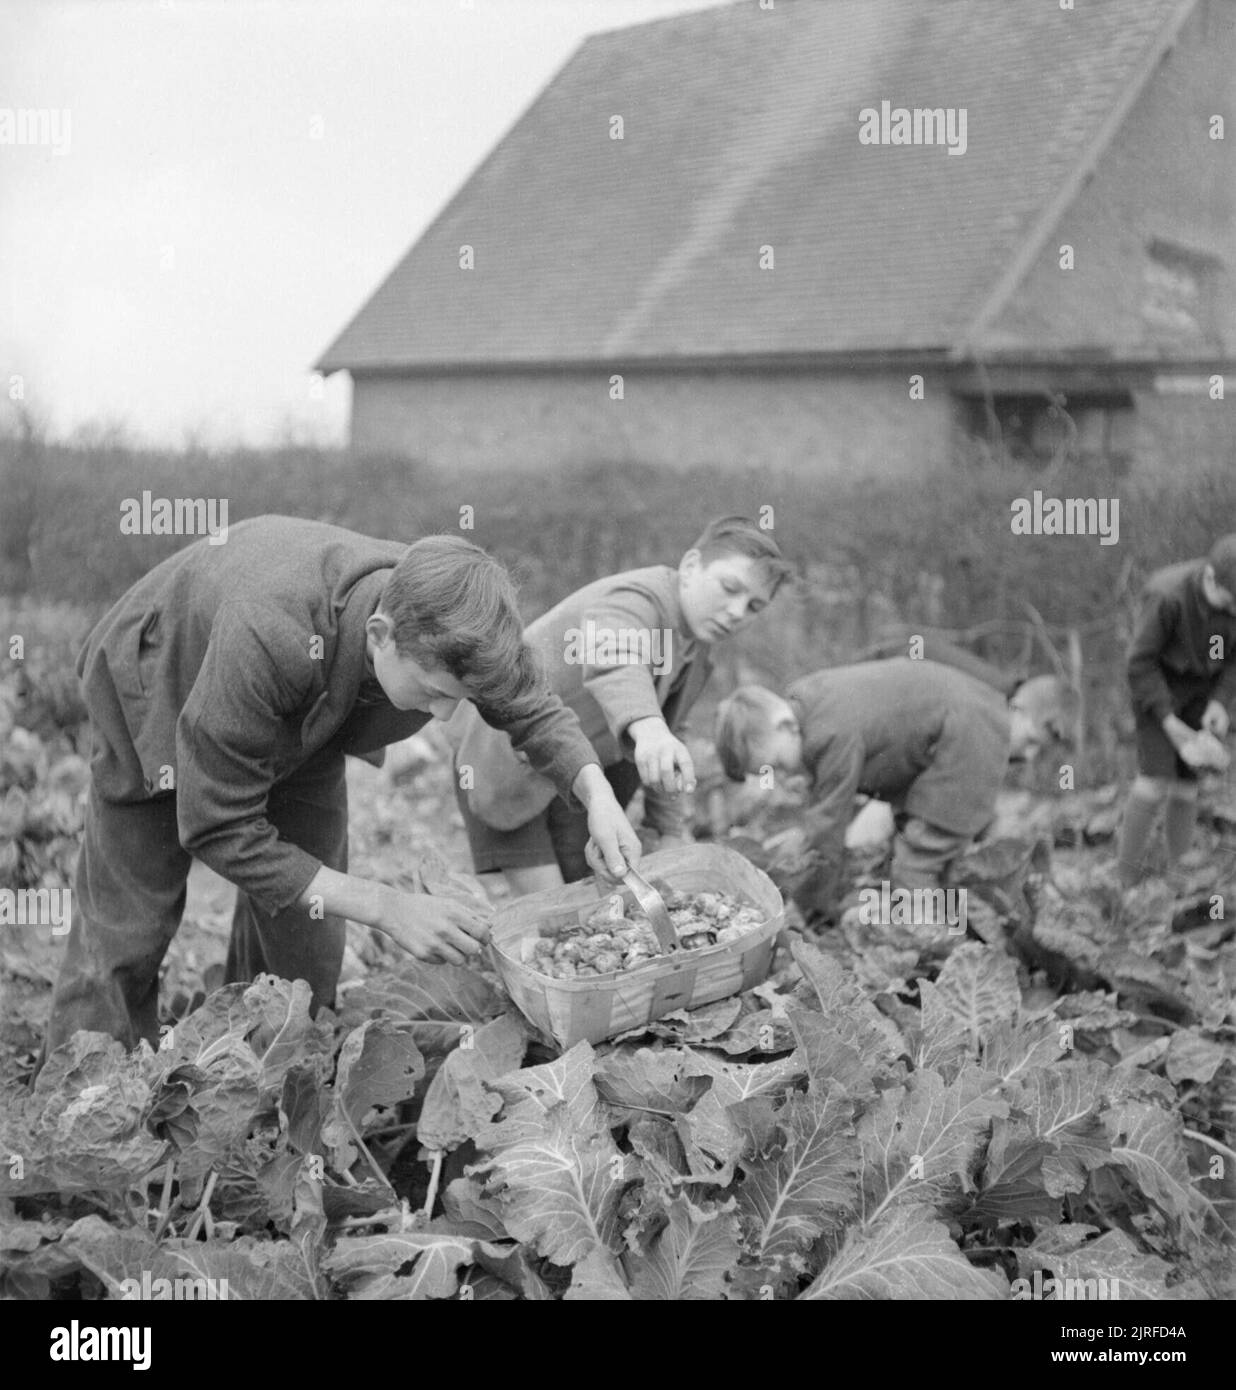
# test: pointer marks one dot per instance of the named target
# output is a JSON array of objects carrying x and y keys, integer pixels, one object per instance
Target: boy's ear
[
  {"x": 380, "y": 627},
  {"x": 690, "y": 561}
]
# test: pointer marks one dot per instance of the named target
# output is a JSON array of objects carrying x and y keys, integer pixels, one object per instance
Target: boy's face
[
  {"x": 722, "y": 596},
  {"x": 1039, "y": 716},
  {"x": 1027, "y": 737},
  {"x": 1214, "y": 592},
  {"x": 408, "y": 684},
  {"x": 781, "y": 746}
]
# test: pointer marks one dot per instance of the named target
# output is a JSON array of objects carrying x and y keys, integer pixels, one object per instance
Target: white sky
[{"x": 181, "y": 265}]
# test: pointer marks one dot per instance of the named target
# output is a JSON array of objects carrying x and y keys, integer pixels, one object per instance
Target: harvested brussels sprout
[{"x": 613, "y": 938}]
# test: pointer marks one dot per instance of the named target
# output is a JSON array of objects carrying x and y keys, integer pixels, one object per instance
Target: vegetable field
[{"x": 898, "y": 1112}]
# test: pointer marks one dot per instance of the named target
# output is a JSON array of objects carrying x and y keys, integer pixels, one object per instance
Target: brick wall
[
  {"x": 1176, "y": 433},
  {"x": 831, "y": 424}
]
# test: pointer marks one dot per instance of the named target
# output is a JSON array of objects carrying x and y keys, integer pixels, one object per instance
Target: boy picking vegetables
[
  {"x": 629, "y": 654},
  {"x": 931, "y": 740},
  {"x": 1182, "y": 681},
  {"x": 224, "y": 690}
]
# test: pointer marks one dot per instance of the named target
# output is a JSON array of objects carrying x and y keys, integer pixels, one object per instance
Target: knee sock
[
  {"x": 1178, "y": 825},
  {"x": 1139, "y": 818}
]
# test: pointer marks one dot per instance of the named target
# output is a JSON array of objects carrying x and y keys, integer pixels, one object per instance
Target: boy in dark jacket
[
  {"x": 224, "y": 690},
  {"x": 1042, "y": 708},
  {"x": 1182, "y": 680},
  {"x": 629, "y": 654},
  {"x": 931, "y": 740}
]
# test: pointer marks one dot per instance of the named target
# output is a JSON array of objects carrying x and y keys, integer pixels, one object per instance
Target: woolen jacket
[
  {"x": 228, "y": 667},
  {"x": 1170, "y": 658},
  {"x": 607, "y": 695},
  {"x": 929, "y": 739}
]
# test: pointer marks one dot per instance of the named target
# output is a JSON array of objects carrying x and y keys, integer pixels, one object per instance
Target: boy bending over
[
  {"x": 931, "y": 740},
  {"x": 629, "y": 654},
  {"x": 225, "y": 689}
]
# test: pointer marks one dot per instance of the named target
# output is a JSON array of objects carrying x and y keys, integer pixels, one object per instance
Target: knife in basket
[{"x": 653, "y": 905}]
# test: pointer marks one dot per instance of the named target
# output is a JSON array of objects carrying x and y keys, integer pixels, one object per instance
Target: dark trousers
[{"x": 129, "y": 894}]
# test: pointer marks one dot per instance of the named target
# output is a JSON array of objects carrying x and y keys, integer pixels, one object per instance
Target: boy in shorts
[
  {"x": 629, "y": 654},
  {"x": 1181, "y": 681}
]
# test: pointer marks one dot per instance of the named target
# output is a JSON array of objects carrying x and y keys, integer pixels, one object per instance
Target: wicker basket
[{"x": 595, "y": 1008}]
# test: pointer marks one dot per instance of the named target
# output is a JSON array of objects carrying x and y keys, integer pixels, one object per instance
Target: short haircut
[
  {"x": 745, "y": 717},
  {"x": 1223, "y": 559},
  {"x": 1050, "y": 702},
  {"x": 739, "y": 535},
  {"x": 453, "y": 607}
]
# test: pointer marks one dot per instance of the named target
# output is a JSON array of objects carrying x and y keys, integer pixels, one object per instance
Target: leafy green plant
[
  {"x": 941, "y": 1155},
  {"x": 883, "y": 1118}
]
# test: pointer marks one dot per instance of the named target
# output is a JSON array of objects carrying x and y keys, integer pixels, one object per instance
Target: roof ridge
[
  {"x": 647, "y": 251},
  {"x": 1019, "y": 266},
  {"x": 665, "y": 19}
]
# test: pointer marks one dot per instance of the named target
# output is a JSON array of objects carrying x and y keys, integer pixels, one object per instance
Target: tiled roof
[{"x": 741, "y": 131}]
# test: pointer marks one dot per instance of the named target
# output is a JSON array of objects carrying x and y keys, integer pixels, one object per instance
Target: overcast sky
[{"x": 232, "y": 180}]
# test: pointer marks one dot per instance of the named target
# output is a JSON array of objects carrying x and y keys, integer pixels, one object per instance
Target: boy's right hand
[
  {"x": 1204, "y": 752},
  {"x": 663, "y": 761},
  {"x": 1178, "y": 733},
  {"x": 1215, "y": 719},
  {"x": 438, "y": 931},
  {"x": 1189, "y": 755}
]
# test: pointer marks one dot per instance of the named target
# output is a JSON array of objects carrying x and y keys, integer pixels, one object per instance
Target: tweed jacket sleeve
[
  {"x": 246, "y": 703},
  {"x": 1155, "y": 625},
  {"x": 624, "y": 688}
]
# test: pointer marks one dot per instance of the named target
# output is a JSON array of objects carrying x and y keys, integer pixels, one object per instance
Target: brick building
[{"x": 688, "y": 207}]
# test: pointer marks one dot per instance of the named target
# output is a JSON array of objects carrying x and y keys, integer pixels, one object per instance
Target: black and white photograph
[{"x": 618, "y": 668}]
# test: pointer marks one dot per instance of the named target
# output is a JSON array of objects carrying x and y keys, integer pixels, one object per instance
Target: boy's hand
[
  {"x": 663, "y": 760},
  {"x": 1215, "y": 719},
  {"x": 1177, "y": 731},
  {"x": 1204, "y": 752},
  {"x": 613, "y": 844},
  {"x": 613, "y": 847},
  {"x": 438, "y": 931}
]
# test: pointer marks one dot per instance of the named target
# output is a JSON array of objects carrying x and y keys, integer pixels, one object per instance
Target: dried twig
[
  {"x": 435, "y": 1174},
  {"x": 1206, "y": 1139},
  {"x": 165, "y": 1200},
  {"x": 360, "y": 1144},
  {"x": 199, "y": 1216}
]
